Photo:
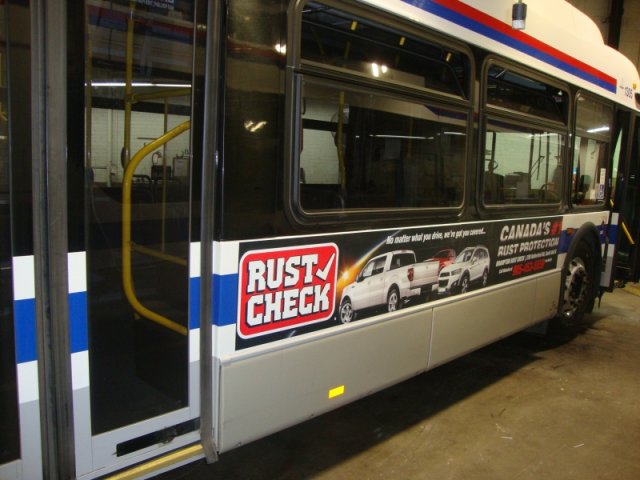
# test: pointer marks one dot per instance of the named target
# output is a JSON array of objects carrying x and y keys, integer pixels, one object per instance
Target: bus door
[
  {"x": 20, "y": 440},
  {"x": 626, "y": 203},
  {"x": 136, "y": 359}
]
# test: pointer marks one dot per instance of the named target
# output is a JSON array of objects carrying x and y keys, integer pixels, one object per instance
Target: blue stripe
[
  {"x": 565, "y": 242},
  {"x": 194, "y": 303},
  {"x": 476, "y": 26},
  {"x": 25, "y": 321},
  {"x": 225, "y": 299},
  {"x": 78, "y": 322},
  {"x": 613, "y": 233}
]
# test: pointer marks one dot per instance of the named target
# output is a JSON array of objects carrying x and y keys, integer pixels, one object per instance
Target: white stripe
[
  {"x": 80, "y": 370},
  {"x": 224, "y": 340},
  {"x": 28, "y": 382},
  {"x": 23, "y": 278},
  {"x": 77, "y": 264},
  {"x": 194, "y": 345},
  {"x": 225, "y": 258},
  {"x": 194, "y": 260}
]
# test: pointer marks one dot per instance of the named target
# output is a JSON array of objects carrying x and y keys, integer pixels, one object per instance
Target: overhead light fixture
[
  {"x": 377, "y": 70},
  {"x": 519, "y": 15},
  {"x": 604, "y": 128},
  {"x": 253, "y": 127},
  {"x": 139, "y": 84}
]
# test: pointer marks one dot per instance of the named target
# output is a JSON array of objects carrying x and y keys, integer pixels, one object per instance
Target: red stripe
[{"x": 504, "y": 28}]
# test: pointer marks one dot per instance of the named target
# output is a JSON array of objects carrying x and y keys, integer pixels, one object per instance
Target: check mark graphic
[{"x": 322, "y": 273}]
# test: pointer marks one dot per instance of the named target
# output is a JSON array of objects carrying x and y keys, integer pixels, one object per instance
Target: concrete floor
[{"x": 523, "y": 408}]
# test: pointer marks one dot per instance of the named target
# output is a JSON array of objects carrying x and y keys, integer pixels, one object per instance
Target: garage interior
[{"x": 528, "y": 407}]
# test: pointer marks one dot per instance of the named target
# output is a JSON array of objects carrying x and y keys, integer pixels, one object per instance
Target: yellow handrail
[
  {"x": 625, "y": 230},
  {"x": 627, "y": 233},
  {"x": 127, "y": 277}
]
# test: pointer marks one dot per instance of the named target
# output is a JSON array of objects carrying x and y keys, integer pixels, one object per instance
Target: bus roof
[{"x": 558, "y": 39}]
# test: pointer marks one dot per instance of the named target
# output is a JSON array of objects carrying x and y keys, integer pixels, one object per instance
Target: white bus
[{"x": 221, "y": 219}]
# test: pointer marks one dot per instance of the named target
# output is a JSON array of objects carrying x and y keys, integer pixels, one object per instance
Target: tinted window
[
  {"x": 516, "y": 92},
  {"x": 522, "y": 165},
  {"x": 345, "y": 40},
  {"x": 402, "y": 260},
  {"x": 590, "y": 152},
  {"x": 363, "y": 149}
]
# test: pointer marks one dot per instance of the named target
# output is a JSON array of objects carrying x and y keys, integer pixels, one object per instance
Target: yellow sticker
[{"x": 336, "y": 392}]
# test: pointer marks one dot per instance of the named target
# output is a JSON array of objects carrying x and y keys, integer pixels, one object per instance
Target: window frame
[
  {"x": 298, "y": 69},
  {"x": 489, "y": 112},
  {"x": 581, "y": 93}
]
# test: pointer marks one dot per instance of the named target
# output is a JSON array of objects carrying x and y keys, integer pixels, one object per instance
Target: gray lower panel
[
  {"x": 461, "y": 327},
  {"x": 264, "y": 393}
]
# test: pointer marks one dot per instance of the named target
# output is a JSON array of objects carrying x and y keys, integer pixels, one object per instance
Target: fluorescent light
[
  {"x": 140, "y": 84},
  {"x": 253, "y": 127},
  {"x": 604, "y": 128},
  {"x": 376, "y": 69},
  {"x": 402, "y": 137}
]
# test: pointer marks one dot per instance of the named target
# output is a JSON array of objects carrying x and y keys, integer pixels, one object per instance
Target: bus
[{"x": 221, "y": 219}]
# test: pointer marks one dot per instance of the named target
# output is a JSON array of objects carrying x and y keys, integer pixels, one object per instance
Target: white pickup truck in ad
[{"x": 388, "y": 280}]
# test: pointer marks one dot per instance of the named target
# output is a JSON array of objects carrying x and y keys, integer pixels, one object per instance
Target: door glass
[
  {"x": 139, "y": 71},
  {"x": 591, "y": 147},
  {"x": 9, "y": 434},
  {"x": 628, "y": 207}
]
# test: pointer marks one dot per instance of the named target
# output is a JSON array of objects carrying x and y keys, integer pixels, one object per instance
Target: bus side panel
[
  {"x": 463, "y": 326},
  {"x": 261, "y": 394}
]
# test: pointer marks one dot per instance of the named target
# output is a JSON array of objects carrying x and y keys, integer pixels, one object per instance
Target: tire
[
  {"x": 346, "y": 314},
  {"x": 464, "y": 284},
  {"x": 394, "y": 302},
  {"x": 485, "y": 278},
  {"x": 578, "y": 288}
]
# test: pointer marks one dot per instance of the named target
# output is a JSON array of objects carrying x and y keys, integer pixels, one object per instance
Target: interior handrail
[
  {"x": 127, "y": 182},
  {"x": 625, "y": 230}
]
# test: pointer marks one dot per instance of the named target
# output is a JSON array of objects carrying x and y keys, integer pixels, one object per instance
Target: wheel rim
[
  {"x": 346, "y": 313},
  {"x": 392, "y": 303},
  {"x": 464, "y": 286},
  {"x": 576, "y": 287}
]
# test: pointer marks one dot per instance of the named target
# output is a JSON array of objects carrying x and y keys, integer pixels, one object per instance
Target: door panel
[
  {"x": 9, "y": 433},
  {"x": 20, "y": 450},
  {"x": 626, "y": 197},
  {"x": 131, "y": 391}
]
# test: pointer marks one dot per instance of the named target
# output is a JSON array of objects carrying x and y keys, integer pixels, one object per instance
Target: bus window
[
  {"x": 340, "y": 39},
  {"x": 362, "y": 149},
  {"x": 525, "y": 95},
  {"x": 522, "y": 165},
  {"x": 591, "y": 145}
]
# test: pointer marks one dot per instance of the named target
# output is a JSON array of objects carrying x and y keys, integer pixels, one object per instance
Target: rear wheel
[
  {"x": 485, "y": 278},
  {"x": 464, "y": 284},
  {"x": 393, "y": 300},
  {"x": 578, "y": 289}
]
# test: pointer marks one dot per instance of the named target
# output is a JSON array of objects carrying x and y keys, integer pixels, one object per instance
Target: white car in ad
[
  {"x": 471, "y": 266},
  {"x": 388, "y": 280}
]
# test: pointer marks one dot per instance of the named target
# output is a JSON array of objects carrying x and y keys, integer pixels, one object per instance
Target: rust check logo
[{"x": 285, "y": 288}]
